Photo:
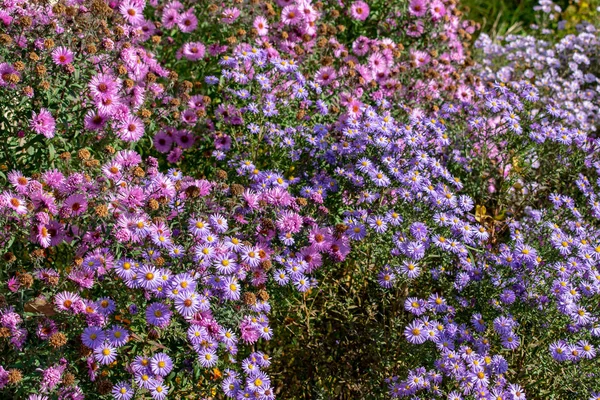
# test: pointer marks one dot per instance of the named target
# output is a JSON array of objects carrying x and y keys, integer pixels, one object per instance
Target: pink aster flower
[
  {"x": 437, "y": 9},
  {"x": 43, "y": 123},
  {"x": 290, "y": 15},
  {"x": 417, "y": 8},
  {"x": 43, "y": 236},
  {"x": 76, "y": 204},
  {"x": 193, "y": 51},
  {"x": 131, "y": 129},
  {"x": 230, "y": 15},
  {"x": 51, "y": 377},
  {"x": 359, "y": 10},
  {"x": 325, "y": 76},
  {"x": 261, "y": 25},
  {"x": 187, "y": 21},
  {"x": 66, "y": 300},
  {"x": 131, "y": 12},
  {"x": 62, "y": 56},
  {"x": 9, "y": 200}
]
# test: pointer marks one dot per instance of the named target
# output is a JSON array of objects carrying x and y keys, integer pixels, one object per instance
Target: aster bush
[
  {"x": 175, "y": 263},
  {"x": 299, "y": 199}
]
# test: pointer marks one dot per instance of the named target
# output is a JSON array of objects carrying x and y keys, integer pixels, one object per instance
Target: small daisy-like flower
[
  {"x": 208, "y": 358},
  {"x": 66, "y": 300},
  {"x": 105, "y": 354},
  {"x": 159, "y": 391},
  {"x": 187, "y": 303},
  {"x": 76, "y": 204},
  {"x": 13, "y": 202},
  {"x": 225, "y": 263},
  {"x": 231, "y": 288},
  {"x": 144, "y": 380},
  {"x": 148, "y": 277},
  {"x": 158, "y": 314},
  {"x": 218, "y": 222},
  {"x": 43, "y": 123},
  {"x": 122, "y": 391},
  {"x": 93, "y": 337},
  {"x": 258, "y": 380},
  {"x": 117, "y": 336},
  {"x": 62, "y": 56},
  {"x": 261, "y": 25},
  {"x": 281, "y": 277},
  {"x": 359, "y": 10},
  {"x": 302, "y": 283},
  {"x": 161, "y": 364},
  {"x": 131, "y": 129},
  {"x": 415, "y": 332},
  {"x": 106, "y": 306},
  {"x": 131, "y": 12}
]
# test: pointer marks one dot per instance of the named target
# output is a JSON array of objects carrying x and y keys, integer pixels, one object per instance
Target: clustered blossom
[{"x": 183, "y": 272}]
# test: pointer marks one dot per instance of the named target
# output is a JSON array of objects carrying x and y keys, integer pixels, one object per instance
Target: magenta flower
[
  {"x": 187, "y": 21},
  {"x": 43, "y": 123},
  {"x": 76, "y": 204},
  {"x": 230, "y": 15},
  {"x": 131, "y": 129},
  {"x": 131, "y": 12},
  {"x": 359, "y": 10},
  {"x": 62, "y": 56},
  {"x": 417, "y": 8}
]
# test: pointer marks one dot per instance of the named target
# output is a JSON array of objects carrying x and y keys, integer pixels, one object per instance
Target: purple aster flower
[
  {"x": 511, "y": 341},
  {"x": 410, "y": 269},
  {"x": 122, "y": 391},
  {"x": 161, "y": 364},
  {"x": 117, "y": 336},
  {"x": 105, "y": 354},
  {"x": 159, "y": 390},
  {"x": 586, "y": 349},
  {"x": 93, "y": 337},
  {"x": 187, "y": 303},
  {"x": 231, "y": 288},
  {"x": 51, "y": 377},
  {"x": 386, "y": 277},
  {"x": 415, "y": 332},
  {"x": 208, "y": 358},
  {"x": 158, "y": 314},
  {"x": 148, "y": 277}
]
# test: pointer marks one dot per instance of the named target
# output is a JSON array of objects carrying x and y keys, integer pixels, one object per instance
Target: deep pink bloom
[
  {"x": 76, "y": 204},
  {"x": 325, "y": 76},
  {"x": 359, "y": 10},
  {"x": 417, "y": 8},
  {"x": 230, "y": 15},
  {"x": 131, "y": 129},
  {"x": 187, "y": 21},
  {"x": 193, "y": 51},
  {"x": 131, "y": 12},
  {"x": 62, "y": 56},
  {"x": 43, "y": 123}
]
